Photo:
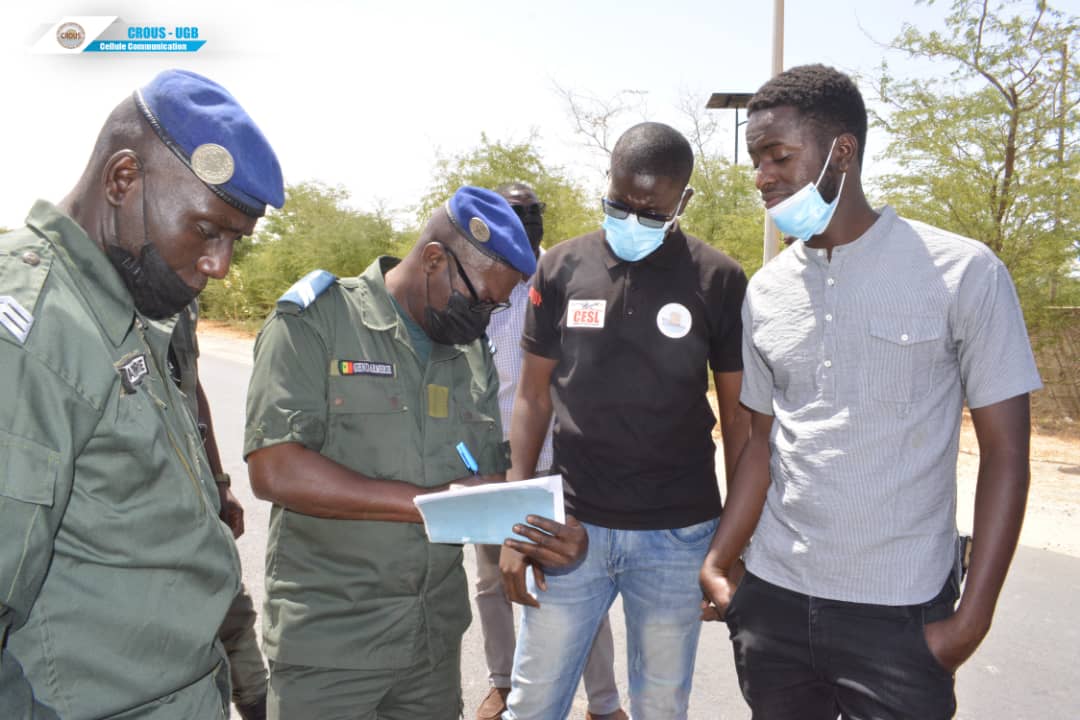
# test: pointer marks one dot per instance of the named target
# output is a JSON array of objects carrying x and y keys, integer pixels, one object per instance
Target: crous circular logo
[
  {"x": 70, "y": 35},
  {"x": 674, "y": 320}
]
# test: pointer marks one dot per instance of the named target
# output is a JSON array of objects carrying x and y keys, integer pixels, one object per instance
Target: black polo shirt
[{"x": 633, "y": 427}]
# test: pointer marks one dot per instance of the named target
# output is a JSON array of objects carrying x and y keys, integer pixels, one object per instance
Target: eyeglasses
[
  {"x": 646, "y": 219},
  {"x": 478, "y": 305},
  {"x": 524, "y": 211}
]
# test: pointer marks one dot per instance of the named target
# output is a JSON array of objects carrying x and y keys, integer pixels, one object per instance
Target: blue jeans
[{"x": 656, "y": 572}]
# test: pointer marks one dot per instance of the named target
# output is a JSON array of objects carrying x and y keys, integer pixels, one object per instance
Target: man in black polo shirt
[{"x": 622, "y": 326}]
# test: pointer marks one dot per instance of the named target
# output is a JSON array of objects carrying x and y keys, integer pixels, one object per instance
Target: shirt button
[
  {"x": 831, "y": 282},
  {"x": 828, "y": 318},
  {"x": 828, "y": 363},
  {"x": 630, "y": 311},
  {"x": 904, "y": 337},
  {"x": 31, "y": 258}
]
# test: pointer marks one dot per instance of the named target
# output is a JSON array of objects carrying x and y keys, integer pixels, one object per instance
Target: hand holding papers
[{"x": 487, "y": 514}]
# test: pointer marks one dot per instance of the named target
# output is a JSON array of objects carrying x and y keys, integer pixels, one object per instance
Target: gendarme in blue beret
[
  {"x": 207, "y": 129},
  {"x": 489, "y": 223}
]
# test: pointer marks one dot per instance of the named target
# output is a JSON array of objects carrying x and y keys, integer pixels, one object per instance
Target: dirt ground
[{"x": 1053, "y": 512}]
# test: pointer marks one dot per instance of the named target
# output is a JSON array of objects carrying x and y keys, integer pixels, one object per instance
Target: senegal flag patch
[{"x": 364, "y": 367}]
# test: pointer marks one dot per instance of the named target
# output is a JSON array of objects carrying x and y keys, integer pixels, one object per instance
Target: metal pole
[
  {"x": 772, "y": 235},
  {"x": 736, "y": 135}
]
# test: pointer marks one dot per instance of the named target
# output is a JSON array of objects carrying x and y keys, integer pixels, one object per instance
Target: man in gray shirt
[{"x": 861, "y": 343}]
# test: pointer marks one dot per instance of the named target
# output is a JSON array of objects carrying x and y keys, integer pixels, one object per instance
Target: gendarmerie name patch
[
  {"x": 132, "y": 371},
  {"x": 365, "y": 367}
]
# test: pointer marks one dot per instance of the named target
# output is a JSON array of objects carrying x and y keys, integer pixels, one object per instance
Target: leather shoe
[
  {"x": 253, "y": 711},
  {"x": 619, "y": 714},
  {"x": 493, "y": 705}
]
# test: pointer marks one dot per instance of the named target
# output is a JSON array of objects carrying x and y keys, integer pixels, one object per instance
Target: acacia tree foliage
[
  {"x": 492, "y": 163},
  {"x": 315, "y": 229},
  {"x": 990, "y": 150},
  {"x": 726, "y": 209}
]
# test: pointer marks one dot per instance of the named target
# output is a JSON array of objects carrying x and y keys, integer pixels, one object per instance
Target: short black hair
[
  {"x": 512, "y": 187},
  {"x": 823, "y": 95},
  {"x": 652, "y": 148}
]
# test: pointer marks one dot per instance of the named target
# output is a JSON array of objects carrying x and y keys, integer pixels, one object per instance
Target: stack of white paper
[{"x": 486, "y": 514}]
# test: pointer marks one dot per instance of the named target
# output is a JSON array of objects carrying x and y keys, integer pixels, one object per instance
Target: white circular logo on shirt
[{"x": 674, "y": 320}]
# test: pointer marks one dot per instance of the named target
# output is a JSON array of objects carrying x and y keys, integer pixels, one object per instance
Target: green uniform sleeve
[
  {"x": 33, "y": 493},
  {"x": 497, "y": 454},
  {"x": 287, "y": 398}
]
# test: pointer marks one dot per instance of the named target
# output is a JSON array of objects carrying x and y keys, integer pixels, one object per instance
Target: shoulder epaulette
[
  {"x": 306, "y": 289},
  {"x": 28, "y": 259}
]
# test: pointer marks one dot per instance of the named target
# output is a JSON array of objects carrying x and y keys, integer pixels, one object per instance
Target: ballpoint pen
[{"x": 467, "y": 458}]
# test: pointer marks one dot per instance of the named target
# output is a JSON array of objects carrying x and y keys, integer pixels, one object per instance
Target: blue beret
[
  {"x": 488, "y": 222},
  {"x": 208, "y": 130}
]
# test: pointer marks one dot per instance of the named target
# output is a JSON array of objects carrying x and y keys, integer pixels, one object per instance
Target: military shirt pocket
[
  {"x": 367, "y": 430},
  {"x": 902, "y": 356},
  {"x": 482, "y": 433},
  {"x": 30, "y": 470}
]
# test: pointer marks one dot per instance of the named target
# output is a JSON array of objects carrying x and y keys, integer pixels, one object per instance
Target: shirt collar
[
  {"x": 664, "y": 256},
  {"x": 379, "y": 313},
  {"x": 867, "y": 241},
  {"x": 100, "y": 285}
]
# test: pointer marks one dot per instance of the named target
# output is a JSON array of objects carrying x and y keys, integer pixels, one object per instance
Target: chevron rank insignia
[{"x": 15, "y": 318}]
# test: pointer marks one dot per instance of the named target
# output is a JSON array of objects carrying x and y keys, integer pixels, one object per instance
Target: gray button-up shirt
[{"x": 865, "y": 362}]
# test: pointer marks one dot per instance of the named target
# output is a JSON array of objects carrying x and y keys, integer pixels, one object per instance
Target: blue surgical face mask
[
  {"x": 805, "y": 214},
  {"x": 631, "y": 240}
]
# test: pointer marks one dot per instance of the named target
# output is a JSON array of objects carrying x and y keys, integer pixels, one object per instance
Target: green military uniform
[
  {"x": 184, "y": 355},
  {"x": 341, "y": 378},
  {"x": 115, "y": 571},
  {"x": 246, "y": 668}
]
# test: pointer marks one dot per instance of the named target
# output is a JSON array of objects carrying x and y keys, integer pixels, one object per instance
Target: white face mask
[{"x": 805, "y": 214}]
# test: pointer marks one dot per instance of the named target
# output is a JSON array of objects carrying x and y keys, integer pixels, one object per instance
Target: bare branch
[{"x": 593, "y": 118}]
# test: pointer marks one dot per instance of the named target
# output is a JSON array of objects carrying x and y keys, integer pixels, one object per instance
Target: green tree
[
  {"x": 726, "y": 209},
  {"x": 569, "y": 212},
  {"x": 315, "y": 229},
  {"x": 990, "y": 150}
]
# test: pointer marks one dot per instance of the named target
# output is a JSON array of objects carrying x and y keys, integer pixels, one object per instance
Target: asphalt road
[{"x": 1027, "y": 669}]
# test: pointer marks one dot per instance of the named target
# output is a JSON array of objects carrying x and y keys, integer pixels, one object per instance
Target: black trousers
[{"x": 805, "y": 658}]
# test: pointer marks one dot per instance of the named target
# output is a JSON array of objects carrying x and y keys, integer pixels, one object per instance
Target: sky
[{"x": 368, "y": 95}]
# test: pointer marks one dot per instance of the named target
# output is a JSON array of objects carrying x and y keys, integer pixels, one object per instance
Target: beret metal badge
[
  {"x": 212, "y": 164},
  {"x": 479, "y": 229}
]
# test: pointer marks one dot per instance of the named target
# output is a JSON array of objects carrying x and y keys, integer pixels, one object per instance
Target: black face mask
[
  {"x": 534, "y": 229},
  {"x": 157, "y": 290},
  {"x": 458, "y": 323}
]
